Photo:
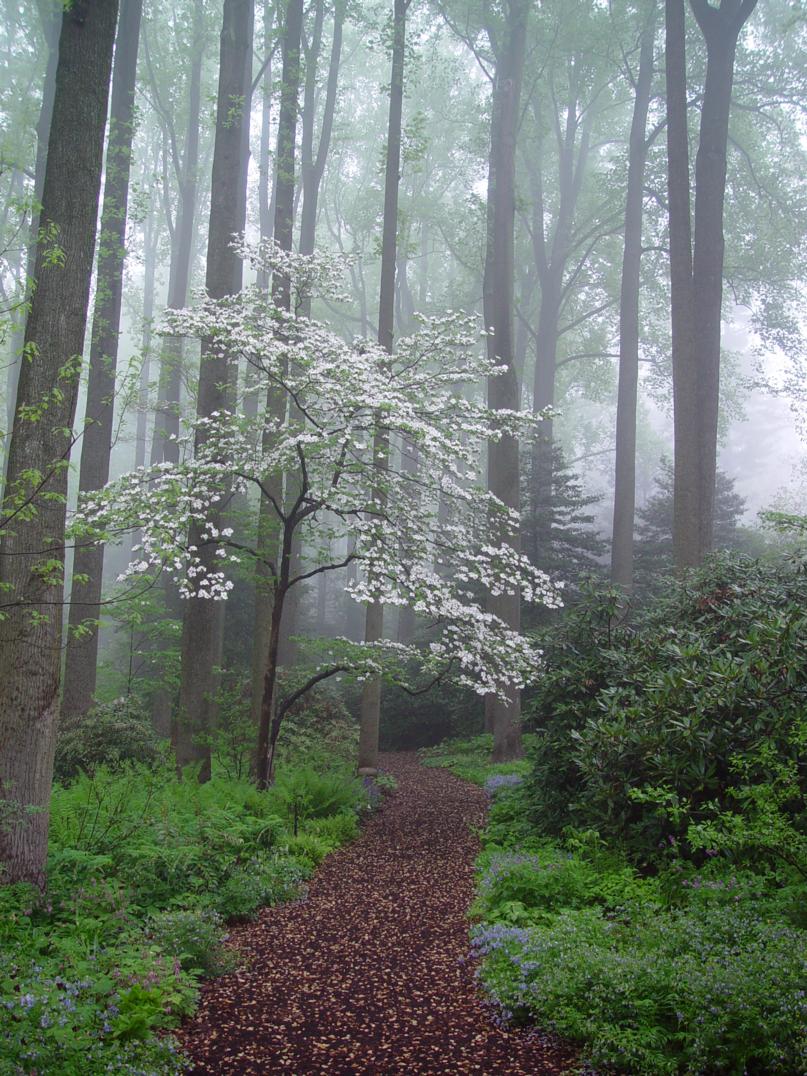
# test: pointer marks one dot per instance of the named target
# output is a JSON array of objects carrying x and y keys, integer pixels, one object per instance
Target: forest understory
[{"x": 371, "y": 972}]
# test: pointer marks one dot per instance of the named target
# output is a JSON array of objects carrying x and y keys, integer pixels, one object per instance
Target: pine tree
[
  {"x": 654, "y": 547},
  {"x": 558, "y": 531}
]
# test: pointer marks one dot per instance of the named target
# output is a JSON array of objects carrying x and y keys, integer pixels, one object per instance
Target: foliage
[
  {"x": 318, "y": 730},
  {"x": 143, "y": 871},
  {"x": 692, "y": 971},
  {"x": 706, "y": 990},
  {"x": 82, "y": 989},
  {"x": 108, "y": 735},
  {"x": 470, "y": 759},
  {"x": 346, "y": 393},
  {"x": 194, "y": 938},
  {"x": 520, "y": 888},
  {"x": 638, "y": 723},
  {"x": 304, "y": 793},
  {"x": 675, "y": 734},
  {"x": 558, "y": 530}
]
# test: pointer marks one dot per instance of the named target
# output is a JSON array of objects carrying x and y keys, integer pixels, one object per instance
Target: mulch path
[{"x": 370, "y": 975}]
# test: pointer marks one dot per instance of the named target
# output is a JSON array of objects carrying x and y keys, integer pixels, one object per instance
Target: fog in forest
[{"x": 403, "y": 428}]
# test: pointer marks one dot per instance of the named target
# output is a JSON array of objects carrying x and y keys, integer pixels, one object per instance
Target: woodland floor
[{"x": 370, "y": 974}]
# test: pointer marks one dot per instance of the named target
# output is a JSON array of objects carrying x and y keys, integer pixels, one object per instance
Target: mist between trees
[{"x": 341, "y": 340}]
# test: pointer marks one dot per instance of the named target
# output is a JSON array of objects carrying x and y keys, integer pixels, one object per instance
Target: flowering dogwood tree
[{"x": 433, "y": 541}]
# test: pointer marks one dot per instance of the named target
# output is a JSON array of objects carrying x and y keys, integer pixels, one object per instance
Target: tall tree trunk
[
  {"x": 33, "y": 515},
  {"x": 504, "y": 716},
  {"x": 625, "y": 464},
  {"x": 265, "y": 210},
  {"x": 266, "y": 636},
  {"x": 166, "y": 419},
  {"x": 551, "y": 263},
  {"x": 696, "y": 272},
  {"x": 312, "y": 169},
  {"x": 51, "y": 24},
  {"x": 370, "y": 709},
  {"x": 313, "y": 166},
  {"x": 164, "y": 446},
  {"x": 149, "y": 274},
  {"x": 96, "y": 447},
  {"x": 203, "y": 620},
  {"x": 311, "y": 45},
  {"x": 685, "y": 382},
  {"x": 720, "y": 29}
]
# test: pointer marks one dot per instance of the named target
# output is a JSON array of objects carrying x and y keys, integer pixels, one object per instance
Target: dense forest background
[
  {"x": 391, "y": 376},
  {"x": 615, "y": 190}
]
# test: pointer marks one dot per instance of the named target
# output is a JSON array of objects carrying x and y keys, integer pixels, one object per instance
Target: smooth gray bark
[
  {"x": 627, "y": 392},
  {"x": 33, "y": 514},
  {"x": 370, "y": 708},
  {"x": 203, "y": 619},
  {"x": 504, "y": 716},
  {"x": 96, "y": 444},
  {"x": 164, "y": 447},
  {"x": 696, "y": 263}
]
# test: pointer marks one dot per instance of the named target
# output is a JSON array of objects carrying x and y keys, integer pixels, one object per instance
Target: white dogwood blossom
[{"x": 436, "y": 539}]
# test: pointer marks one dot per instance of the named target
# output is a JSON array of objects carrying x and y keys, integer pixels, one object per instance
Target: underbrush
[
  {"x": 641, "y": 892},
  {"x": 470, "y": 759},
  {"x": 683, "y": 971},
  {"x": 144, "y": 872}
]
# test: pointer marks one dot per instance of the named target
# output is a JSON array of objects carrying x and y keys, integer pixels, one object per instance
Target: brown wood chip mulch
[{"x": 370, "y": 974}]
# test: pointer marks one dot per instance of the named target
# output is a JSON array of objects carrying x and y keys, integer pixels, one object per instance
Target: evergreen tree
[
  {"x": 558, "y": 531},
  {"x": 654, "y": 549}
]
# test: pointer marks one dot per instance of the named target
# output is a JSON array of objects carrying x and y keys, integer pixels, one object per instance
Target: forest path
[{"x": 369, "y": 976}]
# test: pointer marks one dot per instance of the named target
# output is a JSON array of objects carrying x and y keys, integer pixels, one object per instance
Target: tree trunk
[
  {"x": 264, "y": 152},
  {"x": 265, "y": 646},
  {"x": 370, "y": 707},
  {"x": 503, "y": 391},
  {"x": 267, "y": 725},
  {"x": 164, "y": 447},
  {"x": 551, "y": 262},
  {"x": 313, "y": 166},
  {"x": 149, "y": 275},
  {"x": 96, "y": 448},
  {"x": 203, "y": 620},
  {"x": 625, "y": 464},
  {"x": 166, "y": 419},
  {"x": 311, "y": 171},
  {"x": 51, "y": 24},
  {"x": 696, "y": 272},
  {"x": 33, "y": 517},
  {"x": 720, "y": 29}
]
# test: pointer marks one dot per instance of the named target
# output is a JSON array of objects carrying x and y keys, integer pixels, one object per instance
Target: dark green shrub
[
  {"x": 712, "y": 670},
  {"x": 110, "y": 735},
  {"x": 519, "y": 887}
]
